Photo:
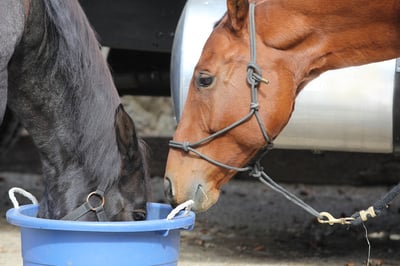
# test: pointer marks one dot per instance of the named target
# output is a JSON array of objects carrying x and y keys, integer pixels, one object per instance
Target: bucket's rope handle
[
  {"x": 187, "y": 205},
  {"x": 11, "y": 195}
]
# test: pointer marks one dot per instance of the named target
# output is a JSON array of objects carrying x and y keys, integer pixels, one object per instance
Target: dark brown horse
[
  {"x": 293, "y": 43},
  {"x": 55, "y": 80}
]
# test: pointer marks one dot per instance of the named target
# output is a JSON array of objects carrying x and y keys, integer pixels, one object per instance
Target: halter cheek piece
[{"x": 254, "y": 78}]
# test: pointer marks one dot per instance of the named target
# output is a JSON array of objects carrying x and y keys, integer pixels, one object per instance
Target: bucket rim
[{"x": 20, "y": 217}]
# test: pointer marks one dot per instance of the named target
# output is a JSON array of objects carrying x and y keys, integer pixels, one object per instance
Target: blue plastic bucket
[{"x": 54, "y": 242}]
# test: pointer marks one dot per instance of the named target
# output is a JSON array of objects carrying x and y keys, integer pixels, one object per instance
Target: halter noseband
[
  {"x": 254, "y": 78},
  {"x": 94, "y": 203}
]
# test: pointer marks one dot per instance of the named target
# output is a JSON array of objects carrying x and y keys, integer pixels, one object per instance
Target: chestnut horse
[{"x": 294, "y": 41}]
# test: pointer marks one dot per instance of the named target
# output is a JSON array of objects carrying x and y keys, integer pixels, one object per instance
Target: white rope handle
[
  {"x": 11, "y": 195},
  {"x": 187, "y": 205}
]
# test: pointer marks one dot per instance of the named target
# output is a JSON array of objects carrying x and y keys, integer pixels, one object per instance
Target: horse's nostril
[
  {"x": 168, "y": 189},
  {"x": 139, "y": 215}
]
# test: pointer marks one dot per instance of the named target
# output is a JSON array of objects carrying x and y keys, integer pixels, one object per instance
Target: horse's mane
[
  {"x": 78, "y": 47},
  {"x": 91, "y": 95}
]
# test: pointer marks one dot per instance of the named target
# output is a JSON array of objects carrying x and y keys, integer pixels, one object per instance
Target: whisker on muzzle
[{"x": 200, "y": 187}]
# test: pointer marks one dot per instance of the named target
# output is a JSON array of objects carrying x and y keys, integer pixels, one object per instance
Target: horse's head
[
  {"x": 127, "y": 198},
  {"x": 110, "y": 182},
  {"x": 219, "y": 95}
]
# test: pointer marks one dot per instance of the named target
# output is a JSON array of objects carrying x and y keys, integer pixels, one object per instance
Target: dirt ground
[{"x": 251, "y": 225}]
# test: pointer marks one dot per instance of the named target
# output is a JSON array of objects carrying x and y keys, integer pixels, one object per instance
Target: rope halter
[{"x": 254, "y": 78}]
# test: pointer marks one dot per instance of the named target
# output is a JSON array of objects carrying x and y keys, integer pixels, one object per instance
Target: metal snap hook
[{"x": 327, "y": 218}]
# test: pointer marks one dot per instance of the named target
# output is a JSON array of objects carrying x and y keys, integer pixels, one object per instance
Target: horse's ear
[
  {"x": 126, "y": 133},
  {"x": 237, "y": 12}
]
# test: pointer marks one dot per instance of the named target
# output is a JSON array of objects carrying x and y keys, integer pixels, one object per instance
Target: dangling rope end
[{"x": 264, "y": 80}]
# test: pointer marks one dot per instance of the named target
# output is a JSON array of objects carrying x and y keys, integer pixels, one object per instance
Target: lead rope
[{"x": 258, "y": 172}]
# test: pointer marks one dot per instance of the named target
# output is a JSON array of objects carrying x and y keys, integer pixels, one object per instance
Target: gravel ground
[{"x": 251, "y": 225}]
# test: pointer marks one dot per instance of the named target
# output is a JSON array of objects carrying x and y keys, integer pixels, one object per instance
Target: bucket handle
[
  {"x": 187, "y": 206},
  {"x": 11, "y": 195}
]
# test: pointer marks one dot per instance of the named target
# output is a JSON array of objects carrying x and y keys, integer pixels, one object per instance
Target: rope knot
[
  {"x": 186, "y": 146},
  {"x": 254, "y": 106},
  {"x": 254, "y": 74},
  {"x": 256, "y": 171}
]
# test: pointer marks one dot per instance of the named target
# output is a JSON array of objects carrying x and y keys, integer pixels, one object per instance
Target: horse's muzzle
[{"x": 202, "y": 196}]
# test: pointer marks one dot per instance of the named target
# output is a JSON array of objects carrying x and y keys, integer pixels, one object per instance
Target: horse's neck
[
  {"x": 326, "y": 35},
  {"x": 71, "y": 120}
]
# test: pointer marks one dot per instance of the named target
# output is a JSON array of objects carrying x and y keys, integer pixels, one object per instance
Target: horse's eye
[{"x": 204, "y": 80}]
